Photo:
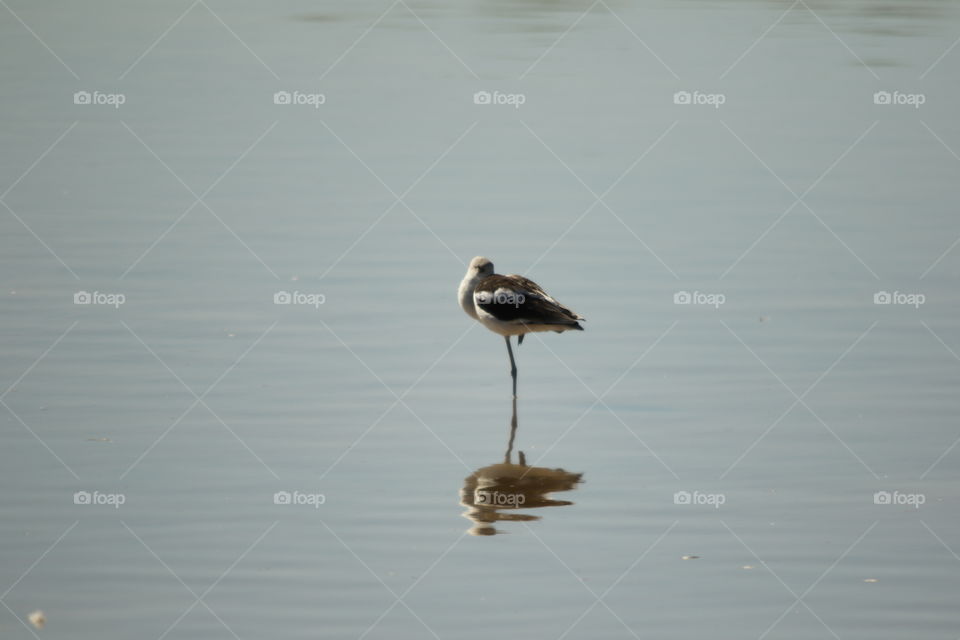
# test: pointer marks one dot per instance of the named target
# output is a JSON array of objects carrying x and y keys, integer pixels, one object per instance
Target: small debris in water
[
  {"x": 99, "y": 440},
  {"x": 690, "y": 558},
  {"x": 870, "y": 580},
  {"x": 747, "y": 566},
  {"x": 37, "y": 619}
]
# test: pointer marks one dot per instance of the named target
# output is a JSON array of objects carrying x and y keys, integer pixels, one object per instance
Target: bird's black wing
[{"x": 518, "y": 299}]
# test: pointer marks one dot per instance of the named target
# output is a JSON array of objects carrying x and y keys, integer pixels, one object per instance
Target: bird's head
[{"x": 480, "y": 267}]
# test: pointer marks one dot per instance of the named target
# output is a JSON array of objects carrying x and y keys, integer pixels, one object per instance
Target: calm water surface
[{"x": 775, "y": 459}]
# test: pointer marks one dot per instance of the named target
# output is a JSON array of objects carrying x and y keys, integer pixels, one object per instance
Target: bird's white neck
[{"x": 465, "y": 294}]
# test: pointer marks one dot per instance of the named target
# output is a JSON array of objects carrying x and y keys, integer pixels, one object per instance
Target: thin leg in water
[
  {"x": 513, "y": 432},
  {"x": 513, "y": 365}
]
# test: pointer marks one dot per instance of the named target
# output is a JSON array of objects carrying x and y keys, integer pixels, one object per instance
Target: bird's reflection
[{"x": 504, "y": 490}]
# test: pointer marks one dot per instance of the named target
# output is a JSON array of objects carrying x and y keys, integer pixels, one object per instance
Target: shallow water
[{"x": 687, "y": 470}]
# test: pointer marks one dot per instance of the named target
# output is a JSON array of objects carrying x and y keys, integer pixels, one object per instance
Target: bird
[{"x": 512, "y": 305}]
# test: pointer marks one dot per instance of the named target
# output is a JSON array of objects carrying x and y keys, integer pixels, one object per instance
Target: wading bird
[{"x": 511, "y": 306}]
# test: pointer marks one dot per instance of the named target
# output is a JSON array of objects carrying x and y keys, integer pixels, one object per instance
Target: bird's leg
[
  {"x": 513, "y": 366},
  {"x": 513, "y": 432}
]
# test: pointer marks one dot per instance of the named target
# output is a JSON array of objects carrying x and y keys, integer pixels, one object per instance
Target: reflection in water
[{"x": 499, "y": 491}]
